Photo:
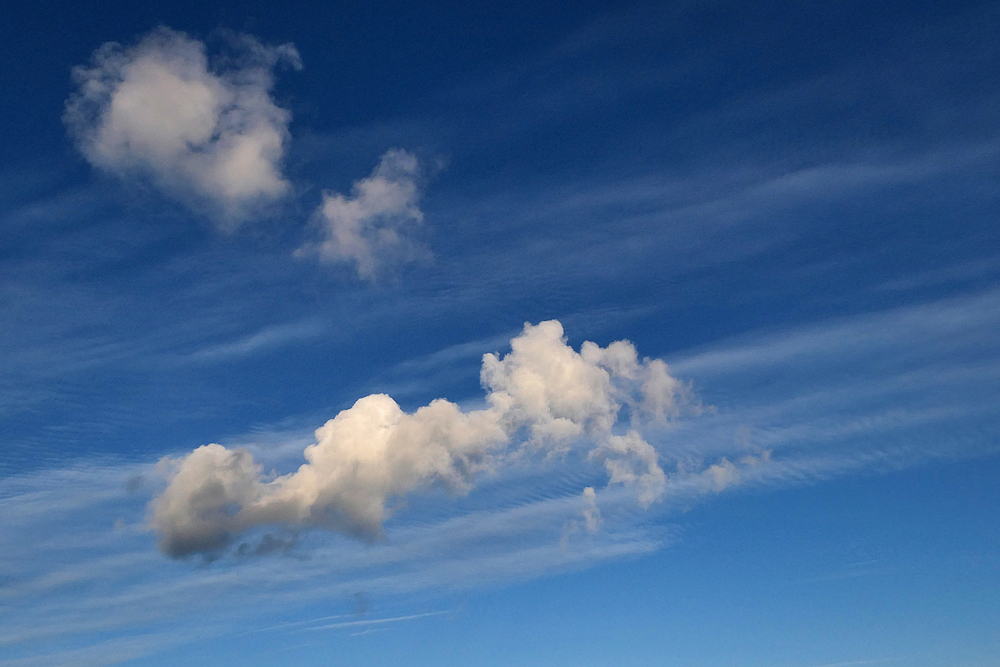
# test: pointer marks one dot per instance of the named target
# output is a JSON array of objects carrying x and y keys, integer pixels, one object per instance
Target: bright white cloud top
[
  {"x": 375, "y": 452},
  {"x": 207, "y": 132}
]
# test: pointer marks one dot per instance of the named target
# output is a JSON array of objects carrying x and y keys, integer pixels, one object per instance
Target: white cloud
[
  {"x": 265, "y": 339},
  {"x": 591, "y": 513},
  {"x": 375, "y": 621},
  {"x": 374, "y": 452},
  {"x": 725, "y": 473},
  {"x": 372, "y": 229},
  {"x": 206, "y": 132},
  {"x": 590, "y": 518}
]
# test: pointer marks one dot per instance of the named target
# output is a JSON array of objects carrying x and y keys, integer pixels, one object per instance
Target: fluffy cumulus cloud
[
  {"x": 543, "y": 398},
  {"x": 206, "y": 131},
  {"x": 372, "y": 228}
]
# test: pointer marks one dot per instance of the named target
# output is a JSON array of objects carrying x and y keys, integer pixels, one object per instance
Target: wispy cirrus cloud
[
  {"x": 834, "y": 413},
  {"x": 375, "y": 621},
  {"x": 266, "y": 339}
]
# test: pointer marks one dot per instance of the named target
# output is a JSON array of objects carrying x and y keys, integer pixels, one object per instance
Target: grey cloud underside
[{"x": 543, "y": 398}]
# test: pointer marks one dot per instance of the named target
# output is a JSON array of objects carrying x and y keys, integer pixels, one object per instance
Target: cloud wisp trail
[{"x": 376, "y": 621}]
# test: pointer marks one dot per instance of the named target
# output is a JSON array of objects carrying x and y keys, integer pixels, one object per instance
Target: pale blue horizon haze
[{"x": 493, "y": 334}]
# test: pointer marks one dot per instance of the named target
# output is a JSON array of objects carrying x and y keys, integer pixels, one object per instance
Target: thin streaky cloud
[
  {"x": 265, "y": 340},
  {"x": 858, "y": 662},
  {"x": 368, "y": 632},
  {"x": 378, "y": 621},
  {"x": 296, "y": 624},
  {"x": 938, "y": 322}
]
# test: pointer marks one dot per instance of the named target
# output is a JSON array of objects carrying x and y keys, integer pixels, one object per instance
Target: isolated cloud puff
[
  {"x": 372, "y": 228},
  {"x": 206, "y": 132},
  {"x": 543, "y": 396}
]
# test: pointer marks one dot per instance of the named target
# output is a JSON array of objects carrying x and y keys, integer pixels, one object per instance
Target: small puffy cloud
[
  {"x": 207, "y": 132},
  {"x": 542, "y": 396},
  {"x": 372, "y": 228},
  {"x": 590, "y": 518},
  {"x": 591, "y": 513},
  {"x": 725, "y": 473}
]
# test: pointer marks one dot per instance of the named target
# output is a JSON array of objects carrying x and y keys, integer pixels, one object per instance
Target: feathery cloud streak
[
  {"x": 543, "y": 395},
  {"x": 207, "y": 132},
  {"x": 530, "y": 519}
]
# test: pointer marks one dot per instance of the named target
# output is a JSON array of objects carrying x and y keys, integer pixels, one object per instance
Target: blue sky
[{"x": 253, "y": 256}]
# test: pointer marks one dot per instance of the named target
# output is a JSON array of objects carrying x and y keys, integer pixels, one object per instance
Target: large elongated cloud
[
  {"x": 541, "y": 398},
  {"x": 209, "y": 133}
]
